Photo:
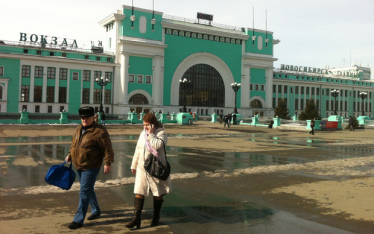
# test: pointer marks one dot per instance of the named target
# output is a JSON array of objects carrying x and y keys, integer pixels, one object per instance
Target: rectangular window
[
  {"x": 327, "y": 92},
  {"x": 274, "y": 103},
  {"x": 274, "y": 88},
  {"x": 24, "y": 107},
  {"x": 63, "y": 73},
  {"x": 25, "y": 91},
  {"x": 108, "y": 75},
  {"x": 256, "y": 87},
  {"x": 26, "y": 70},
  {"x": 301, "y": 104},
  {"x": 37, "y": 109},
  {"x": 291, "y": 89},
  {"x": 108, "y": 59},
  {"x": 297, "y": 90},
  {"x": 49, "y": 109},
  {"x": 86, "y": 57},
  {"x": 51, "y": 73},
  {"x": 51, "y": 53},
  {"x": 39, "y": 52},
  {"x": 25, "y": 51},
  {"x": 86, "y": 96},
  {"x": 317, "y": 92},
  {"x": 131, "y": 78},
  {"x": 285, "y": 88},
  {"x": 98, "y": 58},
  {"x": 38, "y": 72},
  {"x": 96, "y": 96},
  {"x": 302, "y": 90},
  {"x": 107, "y": 96},
  {"x": 250, "y": 86},
  {"x": 341, "y": 105},
  {"x": 262, "y": 87},
  {"x": 64, "y": 55},
  {"x": 354, "y": 106},
  {"x": 38, "y": 93},
  {"x": 140, "y": 79},
  {"x": 62, "y": 94},
  {"x": 317, "y": 104},
  {"x": 106, "y": 109},
  {"x": 307, "y": 90},
  {"x": 97, "y": 74},
  {"x": 327, "y": 105},
  {"x": 345, "y": 105},
  {"x": 75, "y": 76},
  {"x": 50, "y": 94},
  {"x": 86, "y": 75},
  {"x": 279, "y": 88},
  {"x": 296, "y": 104},
  {"x": 148, "y": 79}
]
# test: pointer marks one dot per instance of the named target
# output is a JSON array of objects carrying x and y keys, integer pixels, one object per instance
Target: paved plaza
[{"x": 244, "y": 179}]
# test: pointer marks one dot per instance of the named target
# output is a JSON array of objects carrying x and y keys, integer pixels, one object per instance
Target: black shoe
[
  {"x": 92, "y": 217},
  {"x": 75, "y": 225}
]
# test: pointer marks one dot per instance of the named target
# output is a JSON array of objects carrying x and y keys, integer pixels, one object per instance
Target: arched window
[
  {"x": 138, "y": 99},
  {"x": 207, "y": 87},
  {"x": 256, "y": 104}
]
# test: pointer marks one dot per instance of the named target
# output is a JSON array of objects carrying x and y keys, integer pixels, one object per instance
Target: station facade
[{"x": 148, "y": 52}]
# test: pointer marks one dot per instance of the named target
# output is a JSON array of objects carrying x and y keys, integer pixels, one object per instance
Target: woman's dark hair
[{"x": 151, "y": 118}]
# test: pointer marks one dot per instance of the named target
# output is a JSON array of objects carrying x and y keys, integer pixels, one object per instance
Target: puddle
[{"x": 26, "y": 164}]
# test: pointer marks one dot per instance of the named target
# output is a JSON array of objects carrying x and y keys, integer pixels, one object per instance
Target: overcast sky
[{"x": 313, "y": 33}]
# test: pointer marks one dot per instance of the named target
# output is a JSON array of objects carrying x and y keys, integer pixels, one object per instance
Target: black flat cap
[{"x": 86, "y": 111}]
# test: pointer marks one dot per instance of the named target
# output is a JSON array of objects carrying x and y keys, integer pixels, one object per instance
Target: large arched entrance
[
  {"x": 256, "y": 106},
  {"x": 207, "y": 87},
  {"x": 137, "y": 101},
  {"x": 206, "y": 59}
]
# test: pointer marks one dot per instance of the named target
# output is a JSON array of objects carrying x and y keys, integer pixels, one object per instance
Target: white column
[
  {"x": 123, "y": 82},
  {"x": 157, "y": 82},
  {"x": 32, "y": 84},
  {"x": 44, "y": 92},
  {"x": 57, "y": 86},
  {"x": 92, "y": 87},
  {"x": 269, "y": 88},
  {"x": 245, "y": 92}
]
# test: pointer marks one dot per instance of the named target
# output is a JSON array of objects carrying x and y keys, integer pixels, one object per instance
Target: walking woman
[{"x": 151, "y": 141}]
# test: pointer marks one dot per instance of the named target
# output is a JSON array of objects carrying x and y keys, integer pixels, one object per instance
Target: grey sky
[{"x": 313, "y": 33}]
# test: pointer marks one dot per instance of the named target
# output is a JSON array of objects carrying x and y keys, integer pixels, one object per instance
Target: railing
[{"x": 203, "y": 22}]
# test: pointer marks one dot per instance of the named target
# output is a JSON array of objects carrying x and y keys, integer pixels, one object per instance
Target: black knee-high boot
[
  {"x": 138, "y": 207},
  {"x": 156, "y": 212}
]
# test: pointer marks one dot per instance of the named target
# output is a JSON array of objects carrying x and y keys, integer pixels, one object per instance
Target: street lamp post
[
  {"x": 185, "y": 85},
  {"x": 235, "y": 86},
  {"x": 102, "y": 82},
  {"x": 363, "y": 95},
  {"x": 335, "y": 93}
]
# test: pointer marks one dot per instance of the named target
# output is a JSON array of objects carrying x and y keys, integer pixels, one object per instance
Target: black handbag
[{"x": 155, "y": 168}]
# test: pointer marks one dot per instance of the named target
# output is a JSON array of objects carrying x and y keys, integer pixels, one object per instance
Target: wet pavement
[{"x": 202, "y": 204}]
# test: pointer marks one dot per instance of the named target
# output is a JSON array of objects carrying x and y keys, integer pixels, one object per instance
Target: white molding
[{"x": 140, "y": 91}]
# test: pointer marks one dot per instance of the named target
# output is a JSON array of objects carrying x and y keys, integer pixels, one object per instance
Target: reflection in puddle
[{"x": 26, "y": 164}]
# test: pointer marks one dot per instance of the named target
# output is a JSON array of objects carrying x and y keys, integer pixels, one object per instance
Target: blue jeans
[{"x": 87, "y": 194}]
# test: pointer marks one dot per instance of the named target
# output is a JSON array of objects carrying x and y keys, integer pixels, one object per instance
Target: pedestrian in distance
[
  {"x": 312, "y": 124},
  {"x": 350, "y": 124},
  {"x": 220, "y": 117},
  {"x": 227, "y": 121},
  {"x": 103, "y": 118},
  {"x": 152, "y": 140},
  {"x": 234, "y": 118},
  {"x": 90, "y": 148}
]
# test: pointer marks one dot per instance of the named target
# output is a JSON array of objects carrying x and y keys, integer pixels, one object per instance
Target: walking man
[
  {"x": 312, "y": 124},
  {"x": 103, "y": 118},
  {"x": 350, "y": 124},
  {"x": 220, "y": 117},
  {"x": 90, "y": 147}
]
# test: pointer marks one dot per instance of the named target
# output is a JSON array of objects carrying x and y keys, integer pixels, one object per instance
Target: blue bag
[{"x": 60, "y": 176}]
